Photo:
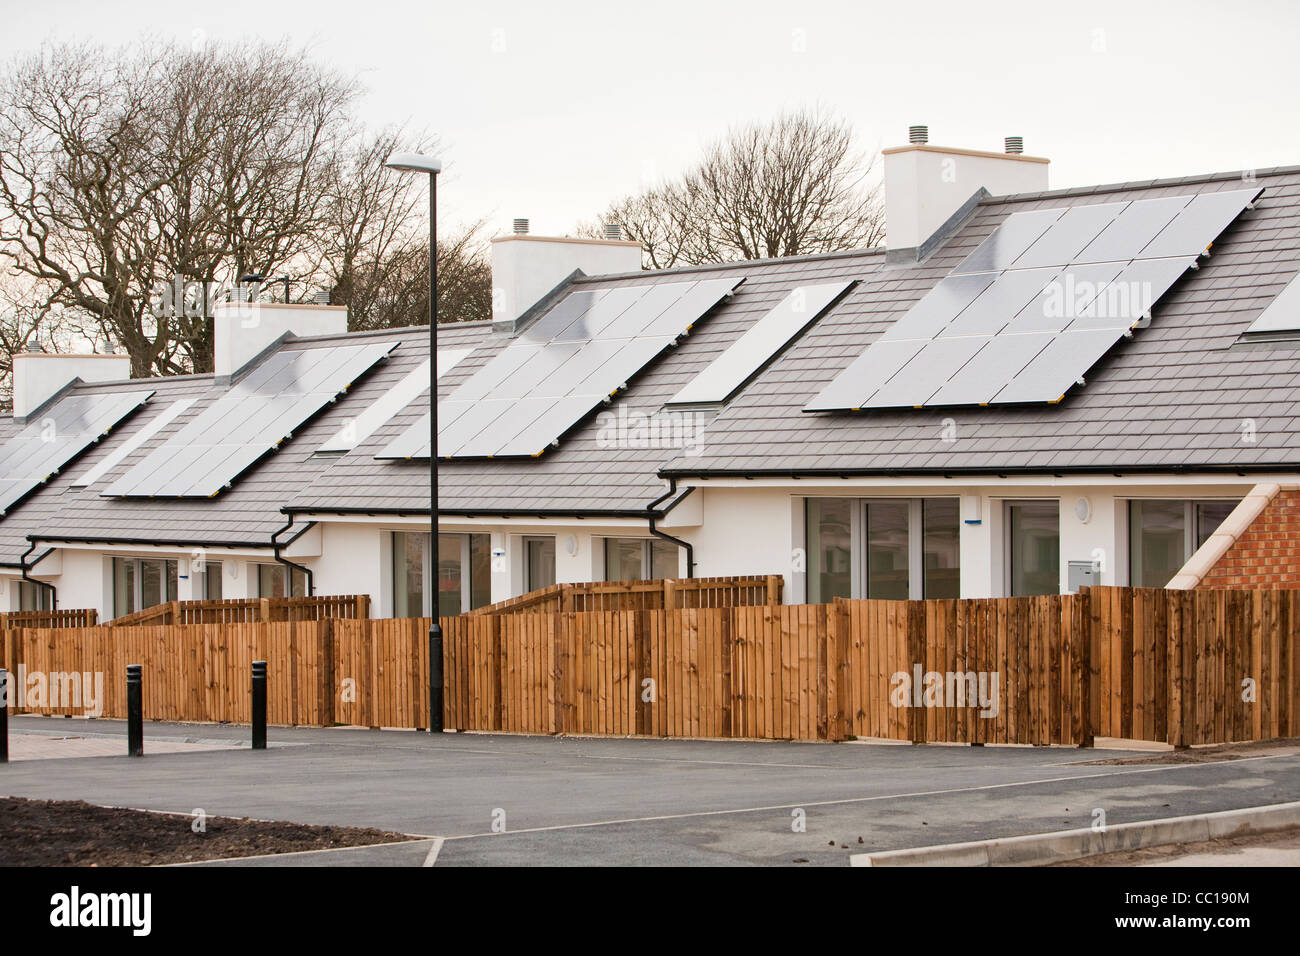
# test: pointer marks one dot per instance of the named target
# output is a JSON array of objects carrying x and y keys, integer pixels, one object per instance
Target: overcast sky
[{"x": 551, "y": 109}]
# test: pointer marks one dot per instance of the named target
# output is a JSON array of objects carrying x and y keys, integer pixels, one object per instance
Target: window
[
  {"x": 539, "y": 563},
  {"x": 1034, "y": 547},
  {"x": 33, "y": 597},
  {"x": 271, "y": 577},
  {"x": 640, "y": 559},
  {"x": 464, "y": 573},
  {"x": 1163, "y": 535},
  {"x": 139, "y": 583},
  {"x": 212, "y": 580},
  {"x": 885, "y": 548}
]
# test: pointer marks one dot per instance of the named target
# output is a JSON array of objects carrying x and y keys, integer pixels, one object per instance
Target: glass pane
[
  {"x": 123, "y": 586},
  {"x": 829, "y": 554},
  {"x": 449, "y": 546},
  {"x": 887, "y": 550},
  {"x": 1157, "y": 542},
  {"x": 541, "y": 562},
  {"x": 664, "y": 559},
  {"x": 623, "y": 559},
  {"x": 270, "y": 581},
  {"x": 170, "y": 569},
  {"x": 1035, "y": 548},
  {"x": 408, "y": 574},
  {"x": 480, "y": 570},
  {"x": 1209, "y": 515},
  {"x": 941, "y": 548},
  {"x": 151, "y": 583},
  {"x": 212, "y": 580},
  {"x": 298, "y": 580}
]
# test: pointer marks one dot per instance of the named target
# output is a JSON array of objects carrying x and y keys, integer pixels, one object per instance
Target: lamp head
[{"x": 414, "y": 163}]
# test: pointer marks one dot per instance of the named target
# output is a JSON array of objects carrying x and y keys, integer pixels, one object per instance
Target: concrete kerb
[{"x": 1041, "y": 848}]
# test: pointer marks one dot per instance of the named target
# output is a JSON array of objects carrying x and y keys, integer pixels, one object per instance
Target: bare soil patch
[
  {"x": 74, "y": 833},
  {"x": 1256, "y": 748}
]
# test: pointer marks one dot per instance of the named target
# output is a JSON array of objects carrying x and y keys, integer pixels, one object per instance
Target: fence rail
[
  {"x": 1187, "y": 667},
  {"x": 247, "y": 610},
  {"x": 659, "y": 594}
]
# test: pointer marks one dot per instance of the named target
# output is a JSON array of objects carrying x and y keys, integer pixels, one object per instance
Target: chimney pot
[
  {"x": 1015, "y": 144},
  {"x": 521, "y": 227},
  {"x": 918, "y": 135}
]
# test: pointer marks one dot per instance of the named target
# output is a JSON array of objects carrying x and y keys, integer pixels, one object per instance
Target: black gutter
[
  {"x": 281, "y": 559},
  {"x": 468, "y": 513},
  {"x": 1118, "y": 471},
  {"x": 22, "y": 563},
  {"x": 147, "y": 542},
  {"x": 652, "y": 514}
]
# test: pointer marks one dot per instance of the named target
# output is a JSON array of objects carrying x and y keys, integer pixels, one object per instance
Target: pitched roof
[{"x": 1178, "y": 395}]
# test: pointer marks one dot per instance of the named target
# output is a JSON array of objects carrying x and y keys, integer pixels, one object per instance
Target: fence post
[
  {"x": 1176, "y": 727},
  {"x": 363, "y": 605},
  {"x": 916, "y": 654},
  {"x": 670, "y": 594},
  {"x": 773, "y": 590},
  {"x": 4, "y": 715},
  {"x": 134, "y": 712},
  {"x": 259, "y": 705},
  {"x": 329, "y": 690},
  {"x": 1081, "y": 638}
]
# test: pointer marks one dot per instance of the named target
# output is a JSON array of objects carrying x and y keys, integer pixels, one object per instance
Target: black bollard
[
  {"x": 259, "y": 705},
  {"x": 134, "y": 712},
  {"x": 4, "y": 715}
]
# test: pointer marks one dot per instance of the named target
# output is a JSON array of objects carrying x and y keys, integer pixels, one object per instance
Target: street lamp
[{"x": 418, "y": 163}]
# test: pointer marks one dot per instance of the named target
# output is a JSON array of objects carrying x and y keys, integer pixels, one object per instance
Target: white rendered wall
[
  {"x": 925, "y": 185},
  {"x": 525, "y": 268},
  {"x": 38, "y": 375},
  {"x": 354, "y": 559},
  {"x": 243, "y": 329}
]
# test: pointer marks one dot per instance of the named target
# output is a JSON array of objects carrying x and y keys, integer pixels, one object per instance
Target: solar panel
[
  {"x": 929, "y": 316},
  {"x": 1283, "y": 313},
  {"x": 560, "y": 369},
  {"x": 135, "y": 441},
  {"x": 62, "y": 432},
  {"x": 1133, "y": 229},
  {"x": 865, "y": 375},
  {"x": 996, "y": 364},
  {"x": 999, "y": 303},
  {"x": 927, "y": 372},
  {"x": 1009, "y": 241},
  {"x": 251, "y": 419},
  {"x": 1082, "y": 276},
  {"x": 1068, "y": 236},
  {"x": 1206, "y": 215},
  {"x": 730, "y": 370}
]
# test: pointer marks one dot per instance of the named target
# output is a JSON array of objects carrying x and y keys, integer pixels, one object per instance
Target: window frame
[
  {"x": 425, "y": 540},
  {"x": 1191, "y": 528},
  {"x": 647, "y": 555},
  {"x": 1008, "y": 537}
]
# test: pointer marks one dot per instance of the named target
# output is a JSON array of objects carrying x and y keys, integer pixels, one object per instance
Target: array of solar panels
[
  {"x": 57, "y": 436},
  {"x": 250, "y": 420},
  {"x": 730, "y": 370},
  {"x": 560, "y": 368},
  {"x": 1036, "y": 305}
]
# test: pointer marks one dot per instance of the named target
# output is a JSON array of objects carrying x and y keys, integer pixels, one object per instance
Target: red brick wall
[{"x": 1268, "y": 554}]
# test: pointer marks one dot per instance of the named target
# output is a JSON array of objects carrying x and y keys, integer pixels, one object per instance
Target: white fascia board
[{"x": 953, "y": 484}]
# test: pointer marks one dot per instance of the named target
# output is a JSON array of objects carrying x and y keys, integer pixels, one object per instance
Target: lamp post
[{"x": 418, "y": 163}]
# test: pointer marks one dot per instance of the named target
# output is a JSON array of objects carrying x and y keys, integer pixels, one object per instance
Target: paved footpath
[{"x": 515, "y": 800}]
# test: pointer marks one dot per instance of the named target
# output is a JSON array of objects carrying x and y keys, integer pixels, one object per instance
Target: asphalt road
[{"x": 510, "y": 800}]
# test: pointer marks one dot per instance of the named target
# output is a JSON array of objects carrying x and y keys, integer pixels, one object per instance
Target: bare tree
[
  {"x": 122, "y": 171},
  {"x": 789, "y": 187}
]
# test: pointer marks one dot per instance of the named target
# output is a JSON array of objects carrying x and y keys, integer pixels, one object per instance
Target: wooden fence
[
  {"x": 663, "y": 593},
  {"x": 78, "y": 617},
  {"x": 247, "y": 610},
  {"x": 1185, "y": 667}
]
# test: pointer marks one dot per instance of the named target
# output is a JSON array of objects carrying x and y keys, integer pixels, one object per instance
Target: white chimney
[
  {"x": 525, "y": 268},
  {"x": 241, "y": 330},
  {"x": 926, "y": 185},
  {"x": 38, "y": 375}
]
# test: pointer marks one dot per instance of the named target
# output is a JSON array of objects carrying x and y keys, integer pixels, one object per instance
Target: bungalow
[{"x": 1028, "y": 390}]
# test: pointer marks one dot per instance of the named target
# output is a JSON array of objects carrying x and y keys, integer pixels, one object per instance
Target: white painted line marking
[
  {"x": 849, "y": 800},
  {"x": 434, "y": 850}
]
